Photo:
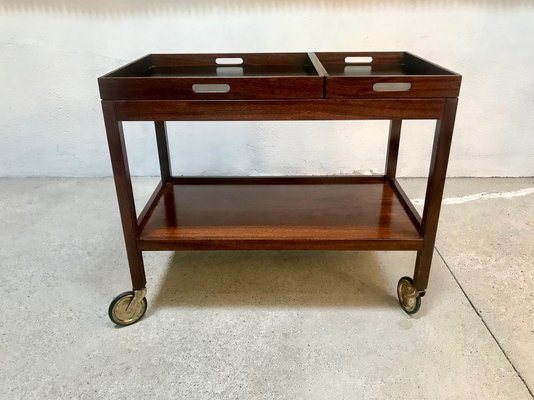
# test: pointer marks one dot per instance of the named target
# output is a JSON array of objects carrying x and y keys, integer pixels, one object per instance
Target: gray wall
[{"x": 51, "y": 53}]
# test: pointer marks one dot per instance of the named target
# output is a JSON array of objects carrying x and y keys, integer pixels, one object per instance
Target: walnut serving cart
[{"x": 278, "y": 213}]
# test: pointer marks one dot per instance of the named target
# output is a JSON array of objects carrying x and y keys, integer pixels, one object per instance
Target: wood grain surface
[{"x": 258, "y": 213}]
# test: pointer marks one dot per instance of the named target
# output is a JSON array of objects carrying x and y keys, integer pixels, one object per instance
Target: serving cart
[{"x": 278, "y": 213}]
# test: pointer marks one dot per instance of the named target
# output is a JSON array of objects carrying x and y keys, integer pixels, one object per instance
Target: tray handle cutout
[
  {"x": 392, "y": 87},
  {"x": 358, "y": 60},
  {"x": 229, "y": 61},
  {"x": 211, "y": 88},
  {"x": 230, "y": 71},
  {"x": 357, "y": 70}
]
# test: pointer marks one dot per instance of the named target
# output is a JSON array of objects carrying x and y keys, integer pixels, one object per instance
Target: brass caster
[
  {"x": 409, "y": 296},
  {"x": 128, "y": 307}
]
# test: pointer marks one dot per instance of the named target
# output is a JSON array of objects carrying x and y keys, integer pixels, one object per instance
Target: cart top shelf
[{"x": 278, "y": 76}]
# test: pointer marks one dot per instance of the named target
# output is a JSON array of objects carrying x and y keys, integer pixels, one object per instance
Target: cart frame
[{"x": 441, "y": 109}]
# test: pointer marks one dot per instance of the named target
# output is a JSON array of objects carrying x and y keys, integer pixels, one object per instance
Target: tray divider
[
  {"x": 317, "y": 64},
  {"x": 321, "y": 70}
]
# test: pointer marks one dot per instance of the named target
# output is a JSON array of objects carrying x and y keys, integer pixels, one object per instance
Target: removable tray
[
  {"x": 340, "y": 75},
  {"x": 214, "y": 77},
  {"x": 385, "y": 75}
]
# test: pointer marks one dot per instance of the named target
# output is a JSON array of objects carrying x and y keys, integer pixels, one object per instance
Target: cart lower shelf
[{"x": 318, "y": 213}]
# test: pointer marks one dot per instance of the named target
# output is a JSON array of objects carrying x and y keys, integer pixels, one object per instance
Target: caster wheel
[
  {"x": 120, "y": 312},
  {"x": 409, "y": 298}
]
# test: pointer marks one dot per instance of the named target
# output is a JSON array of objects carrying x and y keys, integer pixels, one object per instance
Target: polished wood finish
[
  {"x": 393, "y": 148},
  {"x": 378, "y": 57},
  {"x": 264, "y": 60},
  {"x": 163, "y": 150},
  {"x": 123, "y": 186},
  {"x": 356, "y": 80},
  {"x": 164, "y": 88},
  {"x": 421, "y": 86},
  {"x": 147, "y": 209},
  {"x": 313, "y": 213},
  {"x": 279, "y": 180},
  {"x": 406, "y": 203},
  {"x": 278, "y": 76},
  {"x": 293, "y": 213},
  {"x": 279, "y": 110},
  {"x": 434, "y": 192},
  {"x": 172, "y": 76}
]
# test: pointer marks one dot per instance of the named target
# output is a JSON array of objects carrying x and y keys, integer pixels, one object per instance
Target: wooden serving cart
[{"x": 278, "y": 213}]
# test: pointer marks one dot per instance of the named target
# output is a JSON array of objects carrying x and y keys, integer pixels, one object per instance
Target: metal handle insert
[
  {"x": 211, "y": 88},
  {"x": 392, "y": 87}
]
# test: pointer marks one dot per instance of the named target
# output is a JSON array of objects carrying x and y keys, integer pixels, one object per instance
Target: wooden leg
[
  {"x": 163, "y": 150},
  {"x": 434, "y": 192},
  {"x": 391, "y": 167},
  {"x": 393, "y": 148},
  {"x": 391, "y": 171},
  {"x": 123, "y": 186}
]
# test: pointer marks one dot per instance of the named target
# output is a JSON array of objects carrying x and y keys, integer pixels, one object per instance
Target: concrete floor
[{"x": 263, "y": 325}]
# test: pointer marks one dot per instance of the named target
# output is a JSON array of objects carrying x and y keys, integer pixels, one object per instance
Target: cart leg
[
  {"x": 163, "y": 150},
  {"x": 391, "y": 167},
  {"x": 434, "y": 193},
  {"x": 393, "y": 148},
  {"x": 166, "y": 170},
  {"x": 123, "y": 186}
]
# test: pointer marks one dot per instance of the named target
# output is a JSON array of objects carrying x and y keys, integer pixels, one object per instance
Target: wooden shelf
[{"x": 350, "y": 213}]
